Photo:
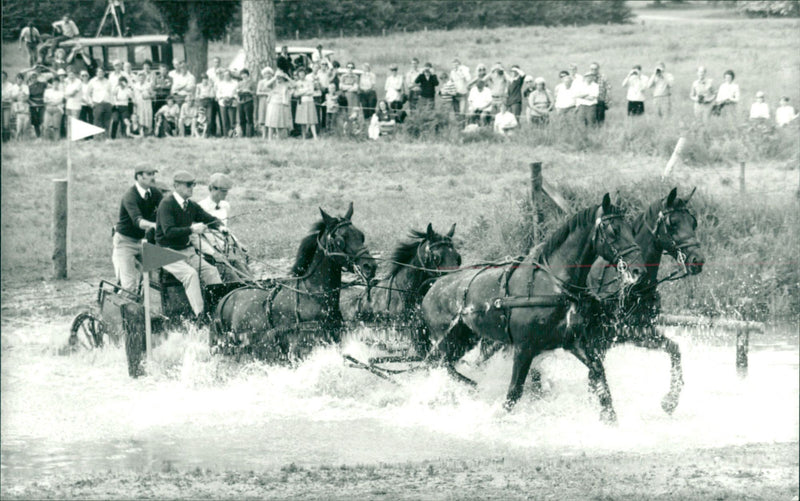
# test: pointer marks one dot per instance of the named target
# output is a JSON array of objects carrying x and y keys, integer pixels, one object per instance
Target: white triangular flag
[{"x": 80, "y": 129}]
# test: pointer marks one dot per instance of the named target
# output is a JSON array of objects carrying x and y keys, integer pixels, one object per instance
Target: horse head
[
  {"x": 674, "y": 231},
  {"x": 344, "y": 243},
  {"x": 612, "y": 238},
  {"x": 437, "y": 252}
]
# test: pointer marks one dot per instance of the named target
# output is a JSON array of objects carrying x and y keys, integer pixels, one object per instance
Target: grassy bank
[{"x": 748, "y": 239}]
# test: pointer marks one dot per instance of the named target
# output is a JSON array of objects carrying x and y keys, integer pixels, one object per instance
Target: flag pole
[{"x": 69, "y": 191}]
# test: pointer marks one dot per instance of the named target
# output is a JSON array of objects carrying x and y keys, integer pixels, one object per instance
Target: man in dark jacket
[
  {"x": 137, "y": 215},
  {"x": 176, "y": 220}
]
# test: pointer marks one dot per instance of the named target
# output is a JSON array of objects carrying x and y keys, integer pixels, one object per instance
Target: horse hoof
[
  {"x": 669, "y": 404},
  {"x": 508, "y": 405},
  {"x": 609, "y": 417}
]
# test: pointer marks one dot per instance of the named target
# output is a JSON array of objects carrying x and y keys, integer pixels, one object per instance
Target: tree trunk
[
  {"x": 258, "y": 34},
  {"x": 195, "y": 46}
]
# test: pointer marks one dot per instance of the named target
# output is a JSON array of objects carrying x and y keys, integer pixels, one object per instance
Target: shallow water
[{"x": 81, "y": 413}]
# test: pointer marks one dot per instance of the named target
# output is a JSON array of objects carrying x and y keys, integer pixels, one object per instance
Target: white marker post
[{"x": 676, "y": 155}]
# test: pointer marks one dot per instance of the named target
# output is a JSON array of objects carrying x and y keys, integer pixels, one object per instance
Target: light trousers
[{"x": 186, "y": 272}]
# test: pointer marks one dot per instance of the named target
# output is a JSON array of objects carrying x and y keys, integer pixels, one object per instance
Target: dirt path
[{"x": 758, "y": 471}]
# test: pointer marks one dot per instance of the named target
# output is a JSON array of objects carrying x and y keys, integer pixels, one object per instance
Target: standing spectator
[
  {"x": 636, "y": 84},
  {"x": 411, "y": 86},
  {"x": 127, "y": 71},
  {"x": 427, "y": 82},
  {"x": 306, "y": 115},
  {"x": 576, "y": 77},
  {"x": 348, "y": 83},
  {"x": 461, "y": 78},
  {"x": 661, "y": 82},
  {"x": 143, "y": 100},
  {"x": 226, "y": 97},
  {"x": 727, "y": 96},
  {"x": 516, "y": 77},
  {"x": 332, "y": 107},
  {"x": 116, "y": 73},
  {"x": 161, "y": 86},
  {"x": 36, "y": 88},
  {"x": 447, "y": 95},
  {"x": 586, "y": 99},
  {"x": 183, "y": 82},
  {"x": 366, "y": 91},
  {"x": 603, "y": 96},
  {"x": 215, "y": 118},
  {"x": 499, "y": 87},
  {"x": 703, "y": 94},
  {"x": 323, "y": 77},
  {"x": 317, "y": 56},
  {"x": 187, "y": 120},
  {"x": 540, "y": 103},
  {"x": 785, "y": 113},
  {"x": 30, "y": 37},
  {"x": 122, "y": 95},
  {"x": 73, "y": 93},
  {"x": 480, "y": 103},
  {"x": 205, "y": 96},
  {"x": 79, "y": 60},
  {"x": 245, "y": 93},
  {"x": 22, "y": 117},
  {"x": 759, "y": 110},
  {"x": 20, "y": 87},
  {"x": 54, "y": 109},
  {"x": 394, "y": 89},
  {"x": 87, "y": 114},
  {"x": 279, "y": 112},
  {"x": 313, "y": 77},
  {"x": 166, "y": 119},
  {"x": 263, "y": 91},
  {"x": 8, "y": 95},
  {"x": 480, "y": 74},
  {"x": 284, "y": 62}
]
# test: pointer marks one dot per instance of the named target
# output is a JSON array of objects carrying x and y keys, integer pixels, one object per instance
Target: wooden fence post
[
  {"x": 742, "y": 347},
  {"x": 741, "y": 177},
  {"x": 60, "y": 219},
  {"x": 297, "y": 34},
  {"x": 341, "y": 33},
  {"x": 536, "y": 196}
]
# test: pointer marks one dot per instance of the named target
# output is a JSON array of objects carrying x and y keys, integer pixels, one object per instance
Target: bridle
[
  {"x": 431, "y": 261},
  {"x": 619, "y": 255},
  {"x": 350, "y": 260},
  {"x": 673, "y": 248}
]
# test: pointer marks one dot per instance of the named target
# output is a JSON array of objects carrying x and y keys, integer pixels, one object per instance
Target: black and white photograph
[{"x": 400, "y": 250}]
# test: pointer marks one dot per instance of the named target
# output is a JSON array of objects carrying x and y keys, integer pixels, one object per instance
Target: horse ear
[
  {"x": 606, "y": 203},
  {"x": 349, "y": 212},
  {"x": 328, "y": 220},
  {"x": 686, "y": 200},
  {"x": 429, "y": 232},
  {"x": 672, "y": 196},
  {"x": 452, "y": 231}
]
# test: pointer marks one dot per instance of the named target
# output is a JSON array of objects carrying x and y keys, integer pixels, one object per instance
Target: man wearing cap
[
  {"x": 137, "y": 216},
  {"x": 661, "y": 83},
  {"x": 177, "y": 218},
  {"x": 215, "y": 245},
  {"x": 394, "y": 89}
]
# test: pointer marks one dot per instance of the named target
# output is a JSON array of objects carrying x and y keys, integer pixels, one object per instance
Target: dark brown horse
[
  {"x": 524, "y": 303},
  {"x": 285, "y": 319},
  {"x": 395, "y": 300}
]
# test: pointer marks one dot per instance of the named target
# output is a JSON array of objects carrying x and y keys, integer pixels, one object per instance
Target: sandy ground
[{"x": 762, "y": 471}]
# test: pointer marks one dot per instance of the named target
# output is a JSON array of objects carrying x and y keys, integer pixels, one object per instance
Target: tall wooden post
[
  {"x": 742, "y": 347},
  {"x": 741, "y": 177},
  {"x": 536, "y": 198},
  {"x": 148, "y": 330},
  {"x": 60, "y": 220}
]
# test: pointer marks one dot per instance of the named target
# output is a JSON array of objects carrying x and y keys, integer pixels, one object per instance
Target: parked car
[
  {"x": 135, "y": 50},
  {"x": 304, "y": 53}
]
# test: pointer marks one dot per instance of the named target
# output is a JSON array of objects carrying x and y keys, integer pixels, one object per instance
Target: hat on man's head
[
  {"x": 183, "y": 176},
  {"x": 220, "y": 180},
  {"x": 61, "y": 71},
  {"x": 393, "y": 67},
  {"x": 267, "y": 70},
  {"x": 144, "y": 168},
  {"x": 760, "y": 93}
]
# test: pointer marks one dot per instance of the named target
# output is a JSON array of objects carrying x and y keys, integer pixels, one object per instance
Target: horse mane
[
  {"x": 406, "y": 251},
  {"x": 582, "y": 218},
  {"x": 307, "y": 249}
]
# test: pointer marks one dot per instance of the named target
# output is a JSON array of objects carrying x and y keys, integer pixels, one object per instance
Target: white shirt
[
  {"x": 759, "y": 110},
  {"x": 394, "y": 88},
  {"x": 113, "y": 77},
  {"x": 785, "y": 114},
  {"x": 213, "y": 74},
  {"x": 100, "y": 90},
  {"x": 461, "y": 78},
  {"x": 73, "y": 91},
  {"x": 636, "y": 85},
  {"x": 586, "y": 93},
  {"x": 143, "y": 192},
  {"x": 182, "y": 83},
  {"x": 54, "y": 97},
  {"x": 226, "y": 89},
  {"x": 505, "y": 120},
  {"x": 564, "y": 96},
  {"x": 210, "y": 206},
  {"x": 479, "y": 99},
  {"x": 728, "y": 92}
]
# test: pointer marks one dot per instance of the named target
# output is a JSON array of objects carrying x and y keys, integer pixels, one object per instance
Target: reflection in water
[{"x": 82, "y": 413}]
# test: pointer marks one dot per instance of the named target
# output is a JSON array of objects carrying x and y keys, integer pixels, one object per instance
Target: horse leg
[
  {"x": 523, "y": 356},
  {"x": 453, "y": 346},
  {"x": 653, "y": 339},
  {"x": 597, "y": 380}
]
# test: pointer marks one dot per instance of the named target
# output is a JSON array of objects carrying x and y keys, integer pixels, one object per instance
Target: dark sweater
[
  {"x": 427, "y": 85},
  {"x": 174, "y": 225},
  {"x": 133, "y": 209}
]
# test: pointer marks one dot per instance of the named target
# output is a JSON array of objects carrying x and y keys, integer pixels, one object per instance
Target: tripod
[{"x": 110, "y": 10}]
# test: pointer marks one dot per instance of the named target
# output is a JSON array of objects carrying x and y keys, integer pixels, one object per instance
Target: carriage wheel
[{"x": 87, "y": 331}]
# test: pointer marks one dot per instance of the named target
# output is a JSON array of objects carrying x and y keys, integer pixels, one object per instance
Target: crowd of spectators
[{"x": 306, "y": 97}]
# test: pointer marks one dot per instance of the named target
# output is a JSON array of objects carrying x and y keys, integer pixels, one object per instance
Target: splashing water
[{"x": 82, "y": 412}]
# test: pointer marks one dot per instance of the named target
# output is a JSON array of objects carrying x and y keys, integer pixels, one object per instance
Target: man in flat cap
[
  {"x": 225, "y": 249},
  {"x": 177, "y": 219},
  {"x": 137, "y": 215}
]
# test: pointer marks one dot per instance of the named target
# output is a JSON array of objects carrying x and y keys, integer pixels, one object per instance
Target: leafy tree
[
  {"x": 197, "y": 22},
  {"x": 770, "y": 8}
]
